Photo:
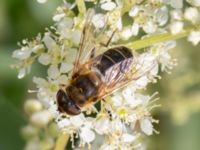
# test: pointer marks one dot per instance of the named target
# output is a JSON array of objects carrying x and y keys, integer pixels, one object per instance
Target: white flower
[
  {"x": 176, "y": 27},
  {"x": 146, "y": 62},
  {"x": 53, "y": 109},
  {"x": 134, "y": 11},
  {"x": 36, "y": 49},
  {"x": 98, "y": 20},
  {"x": 108, "y": 5},
  {"x": 62, "y": 24},
  {"x": 161, "y": 16},
  {"x": 169, "y": 45},
  {"x": 102, "y": 125},
  {"x": 149, "y": 27},
  {"x": 49, "y": 42},
  {"x": 63, "y": 123},
  {"x": 161, "y": 51},
  {"x": 46, "y": 90},
  {"x": 119, "y": 25},
  {"x": 58, "y": 17},
  {"x": 135, "y": 29},
  {"x": 146, "y": 126},
  {"x": 129, "y": 97},
  {"x": 117, "y": 126},
  {"x": 66, "y": 67},
  {"x": 87, "y": 135},
  {"x": 41, "y": 118},
  {"x": 126, "y": 33},
  {"x": 53, "y": 72},
  {"x": 21, "y": 73},
  {"x": 142, "y": 82},
  {"x": 117, "y": 100},
  {"x": 63, "y": 79},
  {"x": 77, "y": 121},
  {"x": 44, "y": 59},
  {"x": 191, "y": 14},
  {"x": 194, "y": 37},
  {"x": 128, "y": 137},
  {"x": 70, "y": 56},
  {"x": 76, "y": 36},
  {"x": 21, "y": 54},
  {"x": 40, "y": 82},
  {"x": 176, "y": 14}
]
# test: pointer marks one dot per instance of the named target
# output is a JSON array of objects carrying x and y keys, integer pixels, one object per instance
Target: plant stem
[
  {"x": 81, "y": 6},
  {"x": 148, "y": 41},
  {"x": 61, "y": 141}
]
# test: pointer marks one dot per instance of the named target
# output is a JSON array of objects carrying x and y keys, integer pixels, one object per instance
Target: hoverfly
[{"x": 95, "y": 78}]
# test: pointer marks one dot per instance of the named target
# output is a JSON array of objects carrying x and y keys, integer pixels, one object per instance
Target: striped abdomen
[{"x": 114, "y": 62}]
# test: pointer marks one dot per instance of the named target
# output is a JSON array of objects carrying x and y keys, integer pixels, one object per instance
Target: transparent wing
[
  {"x": 84, "y": 43},
  {"x": 94, "y": 41},
  {"x": 138, "y": 71}
]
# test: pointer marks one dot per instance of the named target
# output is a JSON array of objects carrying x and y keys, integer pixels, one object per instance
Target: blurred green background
[{"x": 180, "y": 92}]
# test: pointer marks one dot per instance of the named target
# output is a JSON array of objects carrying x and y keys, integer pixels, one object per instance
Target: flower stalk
[
  {"x": 154, "y": 39},
  {"x": 81, "y": 6},
  {"x": 61, "y": 141}
]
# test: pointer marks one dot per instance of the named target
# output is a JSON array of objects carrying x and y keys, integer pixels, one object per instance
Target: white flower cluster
[{"x": 124, "y": 116}]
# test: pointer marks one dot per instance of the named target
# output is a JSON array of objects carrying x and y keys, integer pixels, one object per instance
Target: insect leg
[
  {"x": 92, "y": 54},
  {"x": 109, "y": 40}
]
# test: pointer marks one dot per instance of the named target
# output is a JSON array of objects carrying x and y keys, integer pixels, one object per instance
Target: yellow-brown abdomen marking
[{"x": 120, "y": 56}]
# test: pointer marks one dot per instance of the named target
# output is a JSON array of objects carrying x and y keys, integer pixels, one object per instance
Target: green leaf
[{"x": 11, "y": 122}]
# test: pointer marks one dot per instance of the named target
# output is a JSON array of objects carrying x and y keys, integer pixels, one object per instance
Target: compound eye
[
  {"x": 61, "y": 97},
  {"x": 65, "y": 104},
  {"x": 72, "y": 108},
  {"x": 61, "y": 100}
]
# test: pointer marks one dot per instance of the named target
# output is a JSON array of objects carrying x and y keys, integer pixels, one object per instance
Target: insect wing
[
  {"x": 94, "y": 41},
  {"x": 139, "y": 70},
  {"x": 83, "y": 45}
]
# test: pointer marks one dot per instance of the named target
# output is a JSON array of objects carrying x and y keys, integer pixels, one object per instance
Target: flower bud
[
  {"x": 40, "y": 119},
  {"x": 32, "y": 106},
  {"x": 29, "y": 131}
]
